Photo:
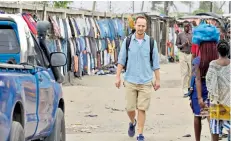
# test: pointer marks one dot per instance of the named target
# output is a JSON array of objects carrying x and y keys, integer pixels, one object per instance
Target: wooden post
[
  {"x": 211, "y": 6},
  {"x": 110, "y": 7},
  {"x": 93, "y": 9},
  {"x": 158, "y": 27},
  {"x": 229, "y": 6},
  {"x": 93, "y": 6},
  {"x": 44, "y": 12},
  {"x": 167, "y": 30},
  {"x": 19, "y": 10},
  {"x": 82, "y": 15},
  {"x": 64, "y": 15},
  {"x": 142, "y": 7},
  {"x": 166, "y": 7}
]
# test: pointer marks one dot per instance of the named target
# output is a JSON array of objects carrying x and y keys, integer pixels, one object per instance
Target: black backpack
[{"x": 128, "y": 40}]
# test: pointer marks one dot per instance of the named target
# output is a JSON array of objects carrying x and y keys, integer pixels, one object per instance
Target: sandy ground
[{"x": 95, "y": 110}]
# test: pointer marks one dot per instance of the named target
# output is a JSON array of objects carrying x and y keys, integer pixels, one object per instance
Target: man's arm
[
  {"x": 193, "y": 51},
  {"x": 178, "y": 42},
  {"x": 121, "y": 59},
  {"x": 156, "y": 62},
  {"x": 157, "y": 74}
]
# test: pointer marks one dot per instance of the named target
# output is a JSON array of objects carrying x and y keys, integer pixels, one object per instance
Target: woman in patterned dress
[{"x": 218, "y": 85}]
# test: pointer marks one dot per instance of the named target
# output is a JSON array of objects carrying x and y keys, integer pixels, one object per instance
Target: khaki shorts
[{"x": 138, "y": 96}]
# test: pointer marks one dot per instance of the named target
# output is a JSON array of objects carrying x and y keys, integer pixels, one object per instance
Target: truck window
[
  {"x": 35, "y": 53},
  {"x": 41, "y": 53},
  {"x": 8, "y": 40}
]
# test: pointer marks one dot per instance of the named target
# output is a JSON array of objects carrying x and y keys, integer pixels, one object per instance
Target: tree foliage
[
  {"x": 158, "y": 5},
  {"x": 205, "y": 7},
  {"x": 61, "y": 4}
]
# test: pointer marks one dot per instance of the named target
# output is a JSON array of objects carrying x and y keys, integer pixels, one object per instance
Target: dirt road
[{"x": 95, "y": 111}]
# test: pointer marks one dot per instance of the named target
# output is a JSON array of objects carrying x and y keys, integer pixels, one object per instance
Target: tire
[
  {"x": 16, "y": 132},
  {"x": 59, "y": 131}
]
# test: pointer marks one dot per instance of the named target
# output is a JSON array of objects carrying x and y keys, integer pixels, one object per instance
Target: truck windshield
[{"x": 8, "y": 40}]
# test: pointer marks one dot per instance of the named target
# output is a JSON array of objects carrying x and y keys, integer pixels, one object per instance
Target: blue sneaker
[
  {"x": 140, "y": 138},
  {"x": 132, "y": 129}
]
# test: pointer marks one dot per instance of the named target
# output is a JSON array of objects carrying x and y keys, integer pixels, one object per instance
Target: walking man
[
  {"x": 140, "y": 59},
  {"x": 184, "y": 43}
]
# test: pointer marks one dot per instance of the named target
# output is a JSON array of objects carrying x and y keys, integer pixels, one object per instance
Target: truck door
[
  {"x": 46, "y": 99},
  {"x": 45, "y": 88},
  {"x": 9, "y": 50}
]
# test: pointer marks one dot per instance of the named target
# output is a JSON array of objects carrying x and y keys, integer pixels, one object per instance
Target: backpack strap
[
  {"x": 151, "y": 50},
  {"x": 128, "y": 40}
]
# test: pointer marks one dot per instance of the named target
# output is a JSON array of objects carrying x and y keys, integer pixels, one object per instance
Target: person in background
[
  {"x": 195, "y": 52},
  {"x": 222, "y": 33},
  {"x": 199, "y": 97},
  {"x": 228, "y": 37},
  {"x": 194, "y": 24},
  {"x": 138, "y": 76},
  {"x": 184, "y": 43},
  {"x": 195, "y": 47},
  {"x": 175, "y": 47},
  {"x": 11, "y": 61},
  {"x": 218, "y": 85}
]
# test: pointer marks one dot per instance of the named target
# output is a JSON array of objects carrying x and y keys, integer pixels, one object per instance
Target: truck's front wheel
[
  {"x": 59, "y": 131},
  {"x": 16, "y": 132}
]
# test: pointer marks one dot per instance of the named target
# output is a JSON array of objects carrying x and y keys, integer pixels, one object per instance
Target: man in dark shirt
[{"x": 184, "y": 43}]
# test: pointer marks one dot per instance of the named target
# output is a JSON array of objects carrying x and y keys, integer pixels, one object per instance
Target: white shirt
[
  {"x": 218, "y": 83},
  {"x": 140, "y": 41}
]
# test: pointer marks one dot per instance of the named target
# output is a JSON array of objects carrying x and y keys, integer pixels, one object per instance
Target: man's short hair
[
  {"x": 194, "y": 23},
  {"x": 187, "y": 24},
  {"x": 140, "y": 17}
]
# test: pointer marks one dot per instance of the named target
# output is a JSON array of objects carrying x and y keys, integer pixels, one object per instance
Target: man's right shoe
[
  {"x": 132, "y": 129},
  {"x": 140, "y": 138}
]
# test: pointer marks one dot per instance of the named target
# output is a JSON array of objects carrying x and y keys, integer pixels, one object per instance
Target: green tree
[
  {"x": 158, "y": 6},
  {"x": 61, "y": 4},
  {"x": 205, "y": 7},
  {"x": 189, "y": 4},
  {"x": 218, "y": 9}
]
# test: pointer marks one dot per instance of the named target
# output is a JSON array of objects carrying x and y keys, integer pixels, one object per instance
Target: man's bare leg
[
  {"x": 132, "y": 115},
  {"x": 141, "y": 121},
  {"x": 132, "y": 124}
]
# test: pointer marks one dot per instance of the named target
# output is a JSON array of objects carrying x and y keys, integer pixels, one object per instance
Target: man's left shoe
[
  {"x": 140, "y": 138},
  {"x": 132, "y": 129}
]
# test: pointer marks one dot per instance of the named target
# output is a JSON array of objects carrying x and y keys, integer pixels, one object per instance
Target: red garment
[
  {"x": 30, "y": 22},
  {"x": 177, "y": 28},
  {"x": 195, "y": 49}
]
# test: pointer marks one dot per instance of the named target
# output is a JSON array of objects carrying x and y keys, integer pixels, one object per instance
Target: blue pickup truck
[{"x": 31, "y": 98}]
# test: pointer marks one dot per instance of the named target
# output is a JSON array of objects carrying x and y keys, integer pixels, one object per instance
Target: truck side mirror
[
  {"x": 43, "y": 28},
  {"x": 58, "y": 59}
]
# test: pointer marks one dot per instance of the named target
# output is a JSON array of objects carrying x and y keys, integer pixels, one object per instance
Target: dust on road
[{"x": 95, "y": 110}]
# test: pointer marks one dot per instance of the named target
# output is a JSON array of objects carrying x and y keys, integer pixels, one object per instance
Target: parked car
[{"x": 31, "y": 97}]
